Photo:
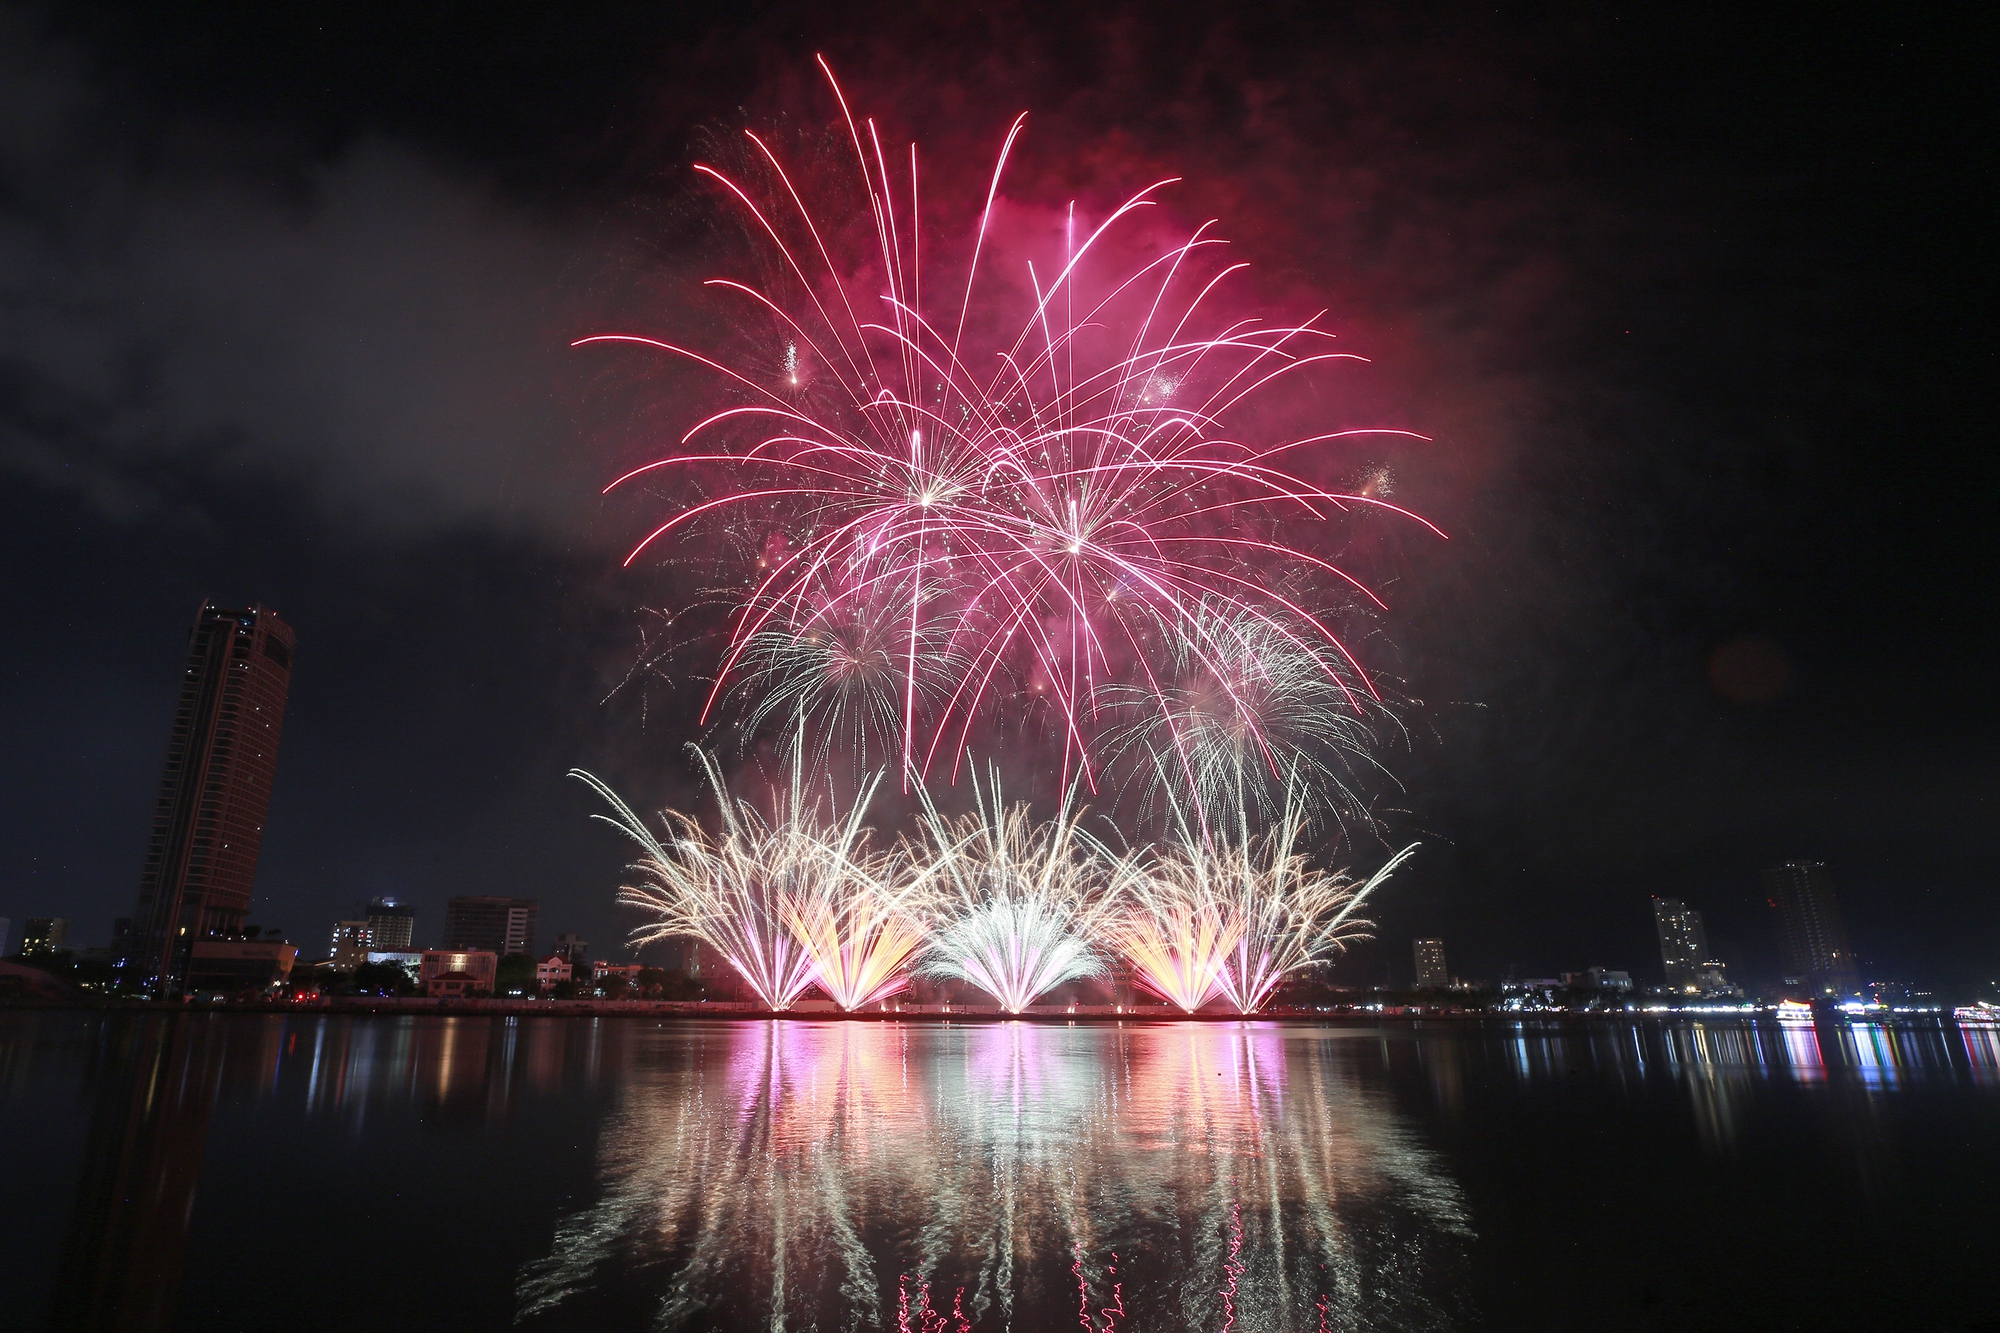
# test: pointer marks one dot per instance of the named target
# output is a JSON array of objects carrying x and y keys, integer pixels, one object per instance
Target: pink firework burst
[{"x": 1076, "y": 498}]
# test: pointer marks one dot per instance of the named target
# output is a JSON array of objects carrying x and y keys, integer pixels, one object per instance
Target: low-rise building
[
  {"x": 410, "y": 960},
  {"x": 227, "y": 967},
  {"x": 552, "y": 971},
  {"x": 1599, "y": 978},
  {"x": 599, "y": 970},
  {"x": 458, "y": 972}
]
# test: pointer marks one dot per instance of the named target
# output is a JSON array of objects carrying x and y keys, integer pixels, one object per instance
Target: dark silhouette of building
[
  {"x": 1812, "y": 942},
  {"x": 391, "y": 924},
  {"x": 1431, "y": 973},
  {"x": 501, "y": 925},
  {"x": 44, "y": 934},
  {"x": 214, "y": 792}
]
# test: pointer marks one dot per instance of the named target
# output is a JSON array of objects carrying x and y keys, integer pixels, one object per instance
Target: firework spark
[
  {"x": 1213, "y": 918},
  {"x": 1177, "y": 929},
  {"x": 860, "y": 929},
  {"x": 1290, "y": 914},
  {"x": 1077, "y": 499},
  {"x": 837, "y": 686},
  {"x": 744, "y": 892},
  {"x": 1242, "y": 740},
  {"x": 1019, "y": 902}
]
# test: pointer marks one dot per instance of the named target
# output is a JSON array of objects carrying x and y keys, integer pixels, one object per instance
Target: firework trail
[
  {"x": 1176, "y": 929},
  {"x": 1238, "y": 742},
  {"x": 838, "y": 687},
  {"x": 743, "y": 893},
  {"x": 1290, "y": 915},
  {"x": 1076, "y": 501},
  {"x": 1018, "y": 902},
  {"x": 860, "y": 929},
  {"x": 1213, "y": 918}
]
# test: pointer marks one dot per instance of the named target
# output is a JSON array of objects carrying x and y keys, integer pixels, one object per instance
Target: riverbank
[{"x": 893, "y": 1011}]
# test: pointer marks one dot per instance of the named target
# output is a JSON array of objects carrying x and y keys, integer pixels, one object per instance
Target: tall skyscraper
[
  {"x": 1683, "y": 942},
  {"x": 1686, "y": 956},
  {"x": 502, "y": 925},
  {"x": 208, "y": 824},
  {"x": 390, "y": 923},
  {"x": 1812, "y": 942},
  {"x": 1430, "y": 964}
]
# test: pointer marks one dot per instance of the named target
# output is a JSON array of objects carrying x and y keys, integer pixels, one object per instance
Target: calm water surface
[{"x": 234, "y": 1171}]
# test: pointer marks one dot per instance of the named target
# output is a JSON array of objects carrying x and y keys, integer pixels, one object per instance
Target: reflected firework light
[
  {"x": 1077, "y": 500},
  {"x": 1021, "y": 1159}
]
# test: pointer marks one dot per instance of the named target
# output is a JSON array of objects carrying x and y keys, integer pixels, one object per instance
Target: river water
[{"x": 315, "y": 1172}]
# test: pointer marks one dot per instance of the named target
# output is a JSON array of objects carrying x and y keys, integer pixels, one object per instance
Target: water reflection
[
  {"x": 127, "y": 1237},
  {"x": 819, "y": 1174},
  {"x": 1982, "y": 1050},
  {"x": 1009, "y": 1175}
]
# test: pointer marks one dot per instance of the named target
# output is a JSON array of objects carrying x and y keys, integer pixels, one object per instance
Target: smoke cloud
[{"x": 380, "y": 329}]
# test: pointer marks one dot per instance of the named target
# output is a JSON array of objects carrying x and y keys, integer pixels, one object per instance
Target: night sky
[{"x": 1697, "y": 309}]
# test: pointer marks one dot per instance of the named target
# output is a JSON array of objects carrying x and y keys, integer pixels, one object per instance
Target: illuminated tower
[
  {"x": 209, "y": 821},
  {"x": 1684, "y": 951},
  {"x": 391, "y": 923},
  {"x": 1683, "y": 941},
  {"x": 1431, "y": 973},
  {"x": 1812, "y": 943}
]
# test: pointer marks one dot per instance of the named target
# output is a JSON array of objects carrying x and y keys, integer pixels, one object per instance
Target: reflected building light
[
  {"x": 1873, "y": 1052},
  {"x": 1982, "y": 1053},
  {"x": 1802, "y": 1053}
]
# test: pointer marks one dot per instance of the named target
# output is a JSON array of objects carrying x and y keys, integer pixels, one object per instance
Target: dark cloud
[{"x": 378, "y": 328}]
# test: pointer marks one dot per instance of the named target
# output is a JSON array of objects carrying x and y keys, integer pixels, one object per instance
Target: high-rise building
[
  {"x": 351, "y": 942},
  {"x": 391, "y": 923},
  {"x": 500, "y": 925},
  {"x": 573, "y": 947},
  {"x": 1812, "y": 942},
  {"x": 214, "y": 792},
  {"x": 1683, "y": 940},
  {"x": 1430, "y": 964},
  {"x": 44, "y": 934},
  {"x": 1690, "y": 962}
]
